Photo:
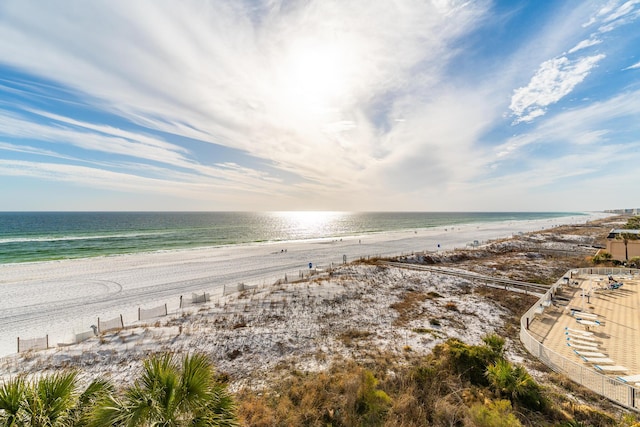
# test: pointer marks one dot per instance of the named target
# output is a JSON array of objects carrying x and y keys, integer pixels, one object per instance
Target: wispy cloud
[
  {"x": 559, "y": 76},
  {"x": 235, "y": 88},
  {"x": 572, "y": 153},
  {"x": 633, "y": 67},
  {"x": 588, "y": 125},
  {"x": 312, "y": 104},
  {"x": 619, "y": 13},
  {"x": 585, "y": 44},
  {"x": 22, "y": 148},
  {"x": 139, "y": 146},
  {"x": 555, "y": 79}
]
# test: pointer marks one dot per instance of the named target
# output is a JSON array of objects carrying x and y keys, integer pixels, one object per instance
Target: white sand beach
[{"x": 63, "y": 298}]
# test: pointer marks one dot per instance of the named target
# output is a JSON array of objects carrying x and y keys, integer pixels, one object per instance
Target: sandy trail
[{"x": 62, "y": 298}]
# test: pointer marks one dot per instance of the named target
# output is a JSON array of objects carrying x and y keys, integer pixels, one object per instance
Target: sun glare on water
[{"x": 311, "y": 222}]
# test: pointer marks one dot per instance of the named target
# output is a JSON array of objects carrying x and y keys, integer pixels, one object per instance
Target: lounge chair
[
  {"x": 583, "y": 353},
  {"x": 582, "y": 347},
  {"x": 588, "y": 323},
  {"x": 610, "y": 368},
  {"x": 585, "y": 343},
  {"x": 598, "y": 360},
  {"x": 630, "y": 378},
  {"x": 588, "y": 316},
  {"x": 578, "y": 331},
  {"x": 580, "y": 337}
]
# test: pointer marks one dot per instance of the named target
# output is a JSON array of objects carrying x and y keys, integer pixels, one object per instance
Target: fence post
[
  {"x": 47, "y": 341},
  {"x": 18, "y": 344},
  {"x": 138, "y": 314}
]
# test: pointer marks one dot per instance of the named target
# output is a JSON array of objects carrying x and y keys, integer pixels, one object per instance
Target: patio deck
[{"x": 617, "y": 311}]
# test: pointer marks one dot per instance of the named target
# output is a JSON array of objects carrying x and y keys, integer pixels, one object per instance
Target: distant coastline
[{"x": 49, "y": 236}]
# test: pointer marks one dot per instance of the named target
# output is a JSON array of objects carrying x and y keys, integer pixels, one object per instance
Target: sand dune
[{"x": 62, "y": 298}]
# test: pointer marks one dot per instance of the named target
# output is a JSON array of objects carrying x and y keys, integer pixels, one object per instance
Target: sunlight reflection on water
[{"x": 313, "y": 223}]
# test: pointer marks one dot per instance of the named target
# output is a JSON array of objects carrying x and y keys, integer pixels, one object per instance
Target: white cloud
[
  {"x": 633, "y": 67},
  {"x": 593, "y": 143},
  {"x": 555, "y": 79},
  {"x": 133, "y": 145},
  {"x": 614, "y": 17},
  {"x": 626, "y": 9},
  {"x": 5, "y": 146},
  {"x": 585, "y": 44},
  {"x": 348, "y": 103},
  {"x": 217, "y": 73}
]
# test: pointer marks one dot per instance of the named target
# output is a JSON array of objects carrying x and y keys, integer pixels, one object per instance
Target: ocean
[{"x": 46, "y": 236}]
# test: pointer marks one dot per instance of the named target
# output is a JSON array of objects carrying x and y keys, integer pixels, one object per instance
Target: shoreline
[
  {"x": 105, "y": 252},
  {"x": 64, "y": 297}
]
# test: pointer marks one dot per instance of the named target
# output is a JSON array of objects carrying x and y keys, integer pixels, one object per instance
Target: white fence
[
  {"x": 83, "y": 336},
  {"x": 611, "y": 388},
  {"x": 150, "y": 313},
  {"x": 41, "y": 343},
  {"x": 195, "y": 299},
  {"x": 111, "y": 324}
]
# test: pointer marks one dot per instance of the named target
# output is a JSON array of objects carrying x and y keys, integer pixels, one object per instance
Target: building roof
[{"x": 616, "y": 231}]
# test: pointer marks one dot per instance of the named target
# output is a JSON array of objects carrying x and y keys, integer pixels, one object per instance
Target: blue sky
[{"x": 319, "y": 105}]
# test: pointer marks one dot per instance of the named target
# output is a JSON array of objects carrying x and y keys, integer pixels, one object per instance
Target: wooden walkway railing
[{"x": 496, "y": 282}]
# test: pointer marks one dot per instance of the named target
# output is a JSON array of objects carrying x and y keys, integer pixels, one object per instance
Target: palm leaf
[
  {"x": 169, "y": 393},
  {"x": 11, "y": 400},
  {"x": 49, "y": 400}
]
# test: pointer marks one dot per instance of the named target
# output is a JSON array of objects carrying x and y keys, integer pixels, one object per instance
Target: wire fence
[
  {"x": 111, "y": 324},
  {"x": 32, "y": 344},
  {"x": 250, "y": 306},
  {"x": 151, "y": 313},
  {"x": 184, "y": 302}
]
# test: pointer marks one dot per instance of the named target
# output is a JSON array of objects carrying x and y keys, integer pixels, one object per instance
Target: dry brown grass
[
  {"x": 353, "y": 335},
  {"x": 409, "y": 305},
  {"x": 421, "y": 391},
  {"x": 451, "y": 306},
  {"x": 424, "y": 390},
  {"x": 504, "y": 259}
]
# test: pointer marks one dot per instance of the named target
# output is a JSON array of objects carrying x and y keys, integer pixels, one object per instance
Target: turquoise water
[{"x": 43, "y": 236}]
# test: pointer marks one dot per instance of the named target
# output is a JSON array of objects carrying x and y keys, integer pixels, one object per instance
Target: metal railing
[{"x": 612, "y": 388}]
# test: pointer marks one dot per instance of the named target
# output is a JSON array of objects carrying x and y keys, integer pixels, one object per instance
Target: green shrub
[
  {"x": 495, "y": 343},
  {"x": 371, "y": 403},
  {"x": 602, "y": 257},
  {"x": 471, "y": 361},
  {"x": 494, "y": 414},
  {"x": 515, "y": 383}
]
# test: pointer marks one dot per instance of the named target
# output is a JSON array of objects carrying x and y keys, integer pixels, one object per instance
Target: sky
[{"x": 275, "y": 105}]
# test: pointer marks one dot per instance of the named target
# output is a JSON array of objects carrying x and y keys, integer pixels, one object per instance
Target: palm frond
[{"x": 11, "y": 400}]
